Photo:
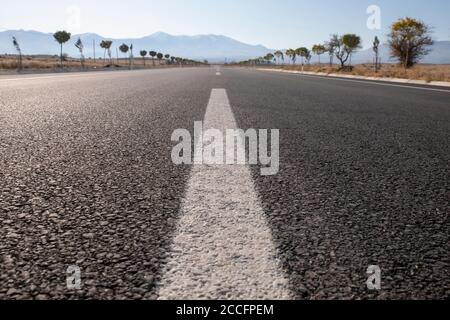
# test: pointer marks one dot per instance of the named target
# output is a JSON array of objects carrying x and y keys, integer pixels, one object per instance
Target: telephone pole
[{"x": 93, "y": 46}]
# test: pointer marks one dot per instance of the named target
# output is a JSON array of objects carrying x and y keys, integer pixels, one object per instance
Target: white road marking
[
  {"x": 88, "y": 74},
  {"x": 369, "y": 82},
  {"x": 223, "y": 248},
  {"x": 218, "y": 74},
  {"x": 60, "y": 76}
]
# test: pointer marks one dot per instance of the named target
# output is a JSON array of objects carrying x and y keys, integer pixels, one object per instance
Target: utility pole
[{"x": 93, "y": 46}]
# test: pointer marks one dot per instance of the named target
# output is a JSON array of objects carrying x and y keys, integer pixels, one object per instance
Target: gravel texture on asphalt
[
  {"x": 86, "y": 179},
  {"x": 364, "y": 180},
  {"x": 223, "y": 248}
]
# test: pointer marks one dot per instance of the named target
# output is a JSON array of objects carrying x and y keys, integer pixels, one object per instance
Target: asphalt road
[{"x": 86, "y": 178}]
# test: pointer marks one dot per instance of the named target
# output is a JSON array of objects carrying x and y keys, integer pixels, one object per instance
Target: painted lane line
[
  {"x": 218, "y": 74},
  {"x": 223, "y": 248},
  {"x": 62, "y": 77},
  {"x": 87, "y": 75}
]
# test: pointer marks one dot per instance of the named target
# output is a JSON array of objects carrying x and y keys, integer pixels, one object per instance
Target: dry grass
[
  {"x": 418, "y": 72},
  {"x": 10, "y": 64}
]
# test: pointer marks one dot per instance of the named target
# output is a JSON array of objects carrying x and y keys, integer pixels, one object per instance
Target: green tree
[
  {"x": 106, "y": 45},
  {"x": 330, "y": 49},
  {"x": 280, "y": 55},
  {"x": 345, "y": 46},
  {"x": 269, "y": 57},
  {"x": 409, "y": 41},
  {"x": 303, "y": 53},
  {"x": 291, "y": 53},
  {"x": 159, "y": 56},
  {"x": 143, "y": 54},
  {"x": 319, "y": 49},
  {"x": 62, "y": 37},
  {"x": 153, "y": 55},
  {"x": 124, "y": 49}
]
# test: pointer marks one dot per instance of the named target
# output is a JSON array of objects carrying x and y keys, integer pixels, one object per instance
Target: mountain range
[
  {"x": 215, "y": 48},
  {"x": 210, "y": 47}
]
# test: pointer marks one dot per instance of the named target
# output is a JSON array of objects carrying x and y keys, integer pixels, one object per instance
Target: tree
[
  {"x": 279, "y": 54},
  {"x": 330, "y": 49},
  {"x": 319, "y": 49},
  {"x": 106, "y": 45},
  {"x": 409, "y": 41},
  {"x": 375, "y": 47},
  {"x": 159, "y": 56},
  {"x": 124, "y": 49},
  {"x": 345, "y": 46},
  {"x": 167, "y": 56},
  {"x": 302, "y": 52},
  {"x": 308, "y": 56},
  {"x": 62, "y": 37},
  {"x": 143, "y": 54},
  {"x": 269, "y": 57},
  {"x": 172, "y": 59},
  {"x": 131, "y": 57},
  {"x": 79, "y": 45},
  {"x": 292, "y": 55},
  {"x": 19, "y": 52},
  {"x": 153, "y": 55}
]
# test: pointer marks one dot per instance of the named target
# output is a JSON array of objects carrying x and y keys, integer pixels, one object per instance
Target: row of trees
[
  {"x": 62, "y": 37},
  {"x": 341, "y": 47},
  {"x": 409, "y": 41}
]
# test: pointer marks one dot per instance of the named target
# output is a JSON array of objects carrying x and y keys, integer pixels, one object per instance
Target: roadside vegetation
[
  {"x": 22, "y": 62},
  {"x": 409, "y": 41}
]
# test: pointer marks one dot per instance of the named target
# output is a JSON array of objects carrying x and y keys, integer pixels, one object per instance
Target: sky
[{"x": 277, "y": 24}]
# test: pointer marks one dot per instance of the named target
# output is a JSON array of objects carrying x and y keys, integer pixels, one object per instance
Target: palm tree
[
  {"x": 143, "y": 54},
  {"x": 62, "y": 37},
  {"x": 172, "y": 59},
  {"x": 153, "y": 54},
  {"x": 167, "y": 56},
  {"x": 279, "y": 54}
]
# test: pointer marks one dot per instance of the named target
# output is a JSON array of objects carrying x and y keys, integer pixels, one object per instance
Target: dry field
[
  {"x": 30, "y": 64},
  {"x": 418, "y": 72}
]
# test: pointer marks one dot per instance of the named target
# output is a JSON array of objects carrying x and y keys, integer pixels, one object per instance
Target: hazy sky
[{"x": 275, "y": 24}]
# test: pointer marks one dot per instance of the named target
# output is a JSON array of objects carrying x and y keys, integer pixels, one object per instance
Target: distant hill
[
  {"x": 211, "y": 47},
  {"x": 215, "y": 48}
]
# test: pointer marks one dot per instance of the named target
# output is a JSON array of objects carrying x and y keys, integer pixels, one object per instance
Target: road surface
[{"x": 87, "y": 179}]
